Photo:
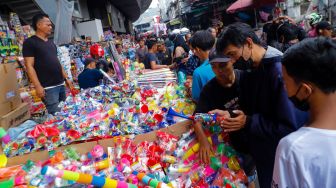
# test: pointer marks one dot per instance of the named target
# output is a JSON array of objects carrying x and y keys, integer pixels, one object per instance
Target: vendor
[
  {"x": 90, "y": 77},
  {"x": 43, "y": 67}
]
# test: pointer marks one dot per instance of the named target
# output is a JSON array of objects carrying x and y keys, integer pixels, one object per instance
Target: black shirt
[
  {"x": 149, "y": 57},
  {"x": 215, "y": 96},
  {"x": 165, "y": 57},
  {"x": 89, "y": 78},
  {"x": 46, "y": 63},
  {"x": 141, "y": 52}
]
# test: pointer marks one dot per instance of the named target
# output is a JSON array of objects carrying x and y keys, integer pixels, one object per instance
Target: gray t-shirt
[{"x": 141, "y": 52}]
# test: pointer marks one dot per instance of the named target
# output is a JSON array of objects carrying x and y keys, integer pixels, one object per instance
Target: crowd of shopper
[{"x": 276, "y": 94}]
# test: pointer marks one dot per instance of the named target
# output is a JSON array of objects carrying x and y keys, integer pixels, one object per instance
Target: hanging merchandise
[
  {"x": 15, "y": 23},
  {"x": 64, "y": 58}
]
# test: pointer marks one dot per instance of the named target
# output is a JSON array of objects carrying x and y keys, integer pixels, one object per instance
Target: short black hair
[
  {"x": 236, "y": 34},
  {"x": 87, "y": 61},
  {"x": 102, "y": 64},
  {"x": 151, "y": 43},
  {"x": 202, "y": 40},
  {"x": 288, "y": 31},
  {"x": 323, "y": 25},
  {"x": 313, "y": 60},
  {"x": 37, "y": 18}
]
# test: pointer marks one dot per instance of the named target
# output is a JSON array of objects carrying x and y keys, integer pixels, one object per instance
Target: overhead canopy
[{"x": 241, "y": 5}]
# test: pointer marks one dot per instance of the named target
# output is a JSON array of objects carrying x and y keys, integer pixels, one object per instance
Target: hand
[
  {"x": 184, "y": 60},
  {"x": 205, "y": 151},
  {"x": 234, "y": 124},
  {"x": 172, "y": 66},
  {"x": 188, "y": 83},
  {"x": 221, "y": 114},
  {"x": 69, "y": 84},
  {"x": 40, "y": 92}
]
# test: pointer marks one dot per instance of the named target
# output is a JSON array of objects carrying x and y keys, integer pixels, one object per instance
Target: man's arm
[
  {"x": 29, "y": 62},
  {"x": 286, "y": 117},
  {"x": 203, "y": 106},
  {"x": 155, "y": 66}
]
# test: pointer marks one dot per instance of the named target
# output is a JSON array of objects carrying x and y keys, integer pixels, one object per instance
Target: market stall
[{"x": 131, "y": 131}]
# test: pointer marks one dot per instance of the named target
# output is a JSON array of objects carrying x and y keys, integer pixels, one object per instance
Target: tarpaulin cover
[
  {"x": 63, "y": 26},
  {"x": 240, "y": 5}
]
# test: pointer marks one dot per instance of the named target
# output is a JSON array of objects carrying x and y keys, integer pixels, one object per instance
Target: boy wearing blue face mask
[
  {"x": 306, "y": 158},
  {"x": 266, "y": 113}
]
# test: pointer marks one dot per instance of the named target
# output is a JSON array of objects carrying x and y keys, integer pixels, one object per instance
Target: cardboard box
[
  {"x": 44, "y": 155},
  {"x": 15, "y": 117},
  {"x": 9, "y": 89},
  {"x": 177, "y": 129}
]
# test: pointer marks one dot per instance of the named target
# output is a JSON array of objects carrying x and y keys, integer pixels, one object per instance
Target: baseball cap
[
  {"x": 89, "y": 60},
  {"x": 323, "y": 25},
  {"x": 215, "y": 57}
]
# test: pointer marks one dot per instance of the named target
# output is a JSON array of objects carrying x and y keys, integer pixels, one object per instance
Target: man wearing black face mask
[
  {"x": 267, "y": 115},
  {"x": 306, "y": 158}
]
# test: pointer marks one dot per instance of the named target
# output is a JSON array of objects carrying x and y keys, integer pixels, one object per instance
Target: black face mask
[
  {"x": 302, "y": 105},
  {"x": 242, "y": 64}
]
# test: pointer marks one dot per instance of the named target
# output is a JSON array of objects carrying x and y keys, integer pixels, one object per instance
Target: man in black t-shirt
[
  {"x": 222, "y": 92},
  {"x": 43, "y": 67},
  {"x": 164, "y": 54}
]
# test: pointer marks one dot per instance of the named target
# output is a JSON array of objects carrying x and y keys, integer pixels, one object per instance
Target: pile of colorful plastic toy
[
  {"x": 168, "y": 162},
  {"x": 104, "y": 111}
]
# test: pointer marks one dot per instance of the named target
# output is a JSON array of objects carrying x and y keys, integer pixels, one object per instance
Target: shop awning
[{"x": 241, "y": 5}]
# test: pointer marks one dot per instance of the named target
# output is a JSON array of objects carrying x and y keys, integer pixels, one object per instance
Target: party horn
[
  {"x": 85, "y": 178},
  {"x": 149, "y": 181},
  {"x": 204, "y": 117}
]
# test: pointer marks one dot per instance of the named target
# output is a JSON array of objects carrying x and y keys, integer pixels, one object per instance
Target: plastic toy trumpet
[
  {"x": 149, "y": 181},
  {"x": 85, "y": 178},
  {"x": 205, "y": 118},
  {"x": 215, "y": 139}
]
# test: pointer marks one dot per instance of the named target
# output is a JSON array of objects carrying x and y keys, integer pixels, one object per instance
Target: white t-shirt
[{"x": 306, "y": 158}]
